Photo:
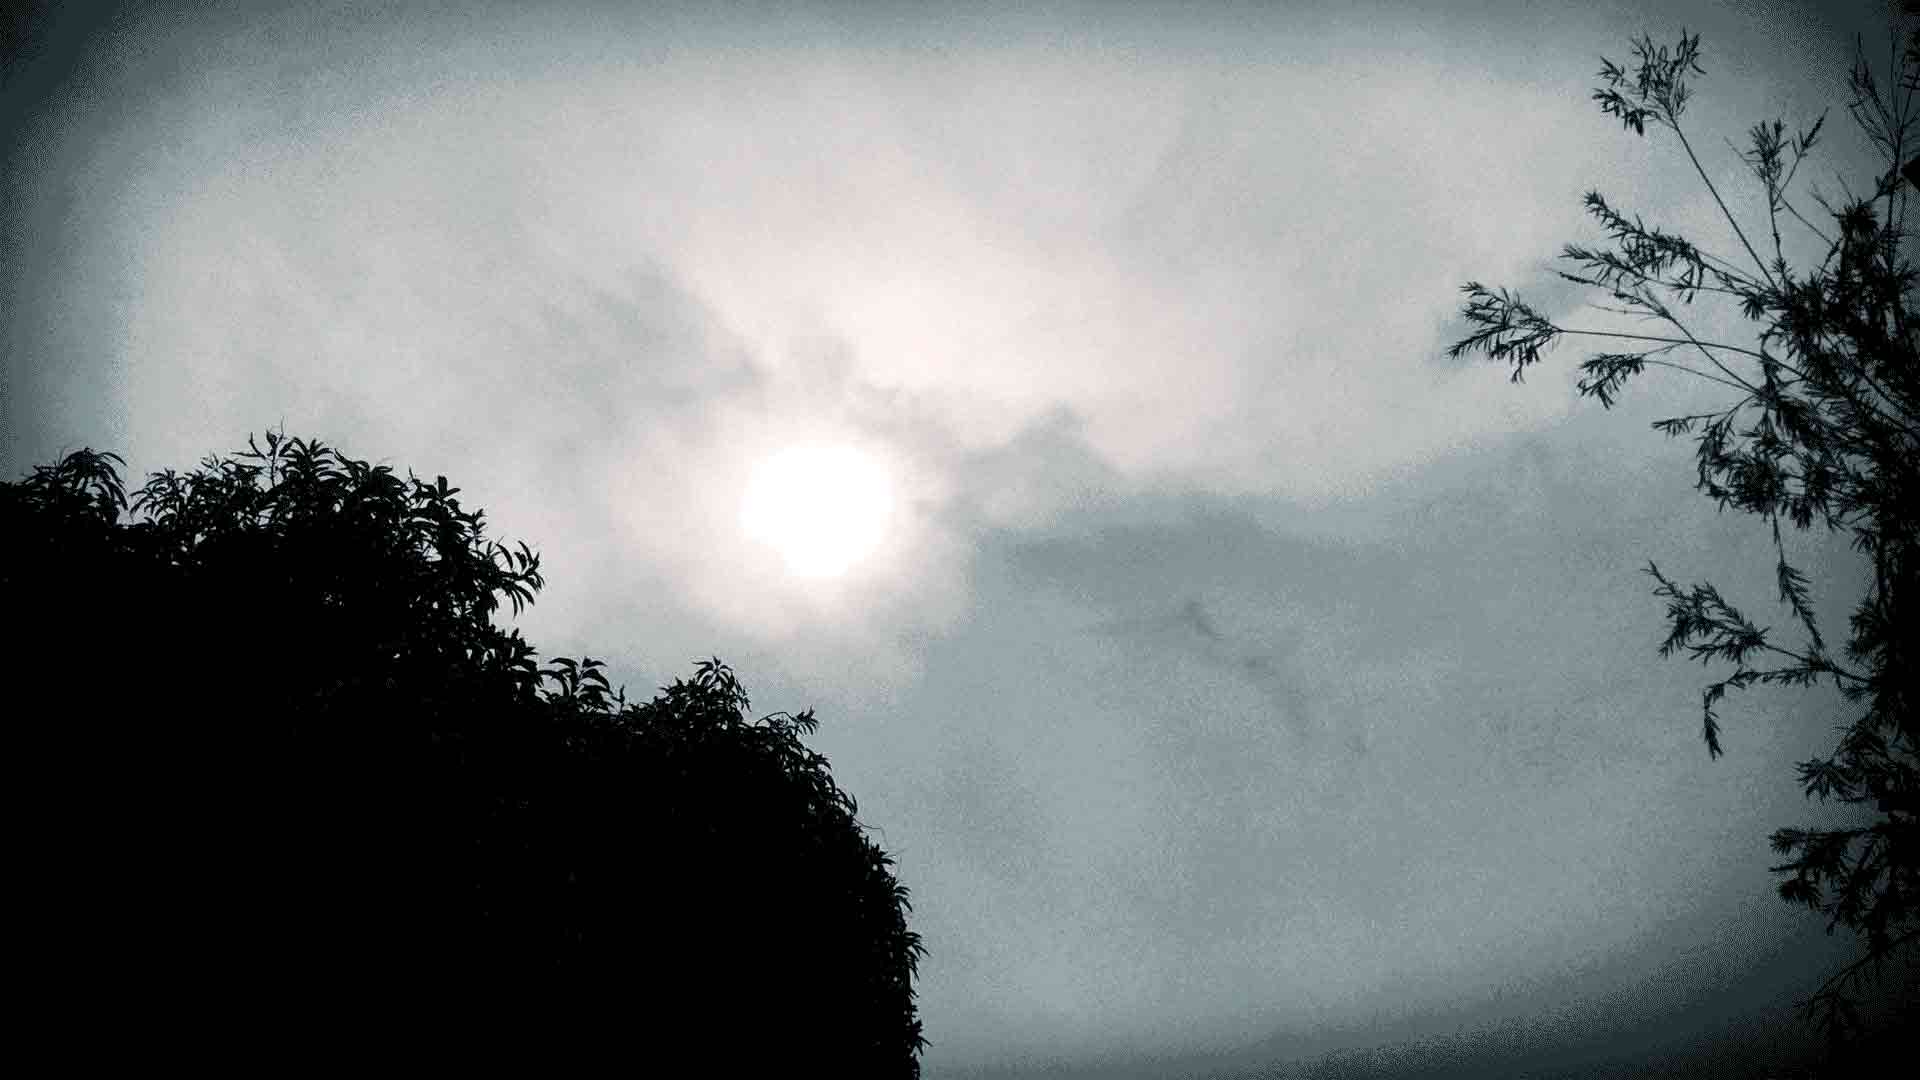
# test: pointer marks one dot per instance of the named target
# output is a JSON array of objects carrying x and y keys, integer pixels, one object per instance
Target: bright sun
[{"x": 823, "y": 509}]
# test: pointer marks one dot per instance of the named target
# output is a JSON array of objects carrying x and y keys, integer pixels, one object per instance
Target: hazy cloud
[{"x": 1234, "y": 668}]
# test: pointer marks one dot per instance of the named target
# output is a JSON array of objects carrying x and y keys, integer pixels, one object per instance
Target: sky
[{"x": 1242, "y": 687}]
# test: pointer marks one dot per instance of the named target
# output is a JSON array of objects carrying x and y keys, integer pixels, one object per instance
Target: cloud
[
  {"x": 1473, "y": 778},
  {"x": 1236, "y": 663}
]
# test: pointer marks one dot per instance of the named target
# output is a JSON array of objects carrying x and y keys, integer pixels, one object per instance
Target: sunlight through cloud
[{"x": 824, "y": 509}]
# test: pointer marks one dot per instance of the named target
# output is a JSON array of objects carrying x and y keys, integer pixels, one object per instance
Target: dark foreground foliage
[
  {"x": 286, "y": 794},
  {"x": 1823, "y": 430}
]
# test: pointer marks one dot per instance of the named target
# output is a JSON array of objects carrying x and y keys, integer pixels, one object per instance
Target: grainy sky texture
[{"x": 1236, "y": 676}]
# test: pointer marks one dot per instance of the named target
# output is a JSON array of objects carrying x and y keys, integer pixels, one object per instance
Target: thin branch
[
  {"x": 1770, "y": 178},
  {"x": 1757, "y": 261},
  {"x": 1667, "y": 314},
  {"x": 1690, "y": 418},
  {"x": 1705, "y": 288},
  {"x": 1821, "y": 664},
  {"x": 1671, "y": 341},
  {"x": 1727, "y": 270},
  {"x": 1896, "y": 130},
  {"x": 1618, "y": 311},
  {"x": 1701, "y": 374},
  {"x": 1733, "y": 381}
]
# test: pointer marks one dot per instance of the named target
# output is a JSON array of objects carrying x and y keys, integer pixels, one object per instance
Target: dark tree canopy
[
  {"x": 286, "y": 784},
  {"x": 1824, "y": 429}
]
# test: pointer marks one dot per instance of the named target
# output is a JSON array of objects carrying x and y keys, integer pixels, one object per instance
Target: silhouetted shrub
[{"x": 285, "y": 783}]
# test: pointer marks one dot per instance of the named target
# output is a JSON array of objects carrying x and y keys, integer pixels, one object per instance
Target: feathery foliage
[{"x": 1826, "y": 430}]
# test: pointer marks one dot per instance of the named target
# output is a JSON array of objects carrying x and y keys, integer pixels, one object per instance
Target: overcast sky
[{"x": 1235, "y": 675}]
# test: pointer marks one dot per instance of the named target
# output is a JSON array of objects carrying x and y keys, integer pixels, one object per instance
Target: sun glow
[{"x": 822, "y": 509}]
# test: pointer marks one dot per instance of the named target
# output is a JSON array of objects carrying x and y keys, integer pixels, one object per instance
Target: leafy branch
[
  {"x": 1658, "y": 92},
  {"x": 1825, "y": 429}
]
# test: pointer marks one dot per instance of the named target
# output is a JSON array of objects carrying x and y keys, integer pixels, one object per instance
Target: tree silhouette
[
  {"x": 333, "y": 805},
  {"x": 1827, "y": 429}
]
